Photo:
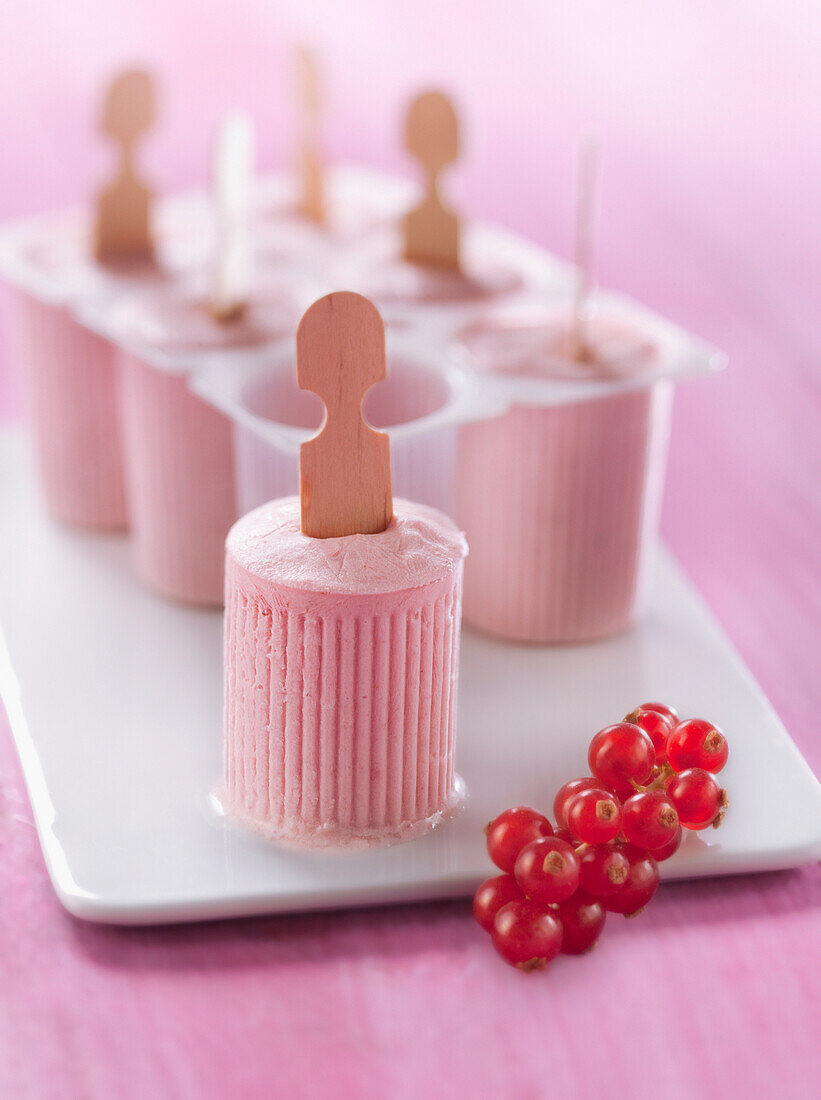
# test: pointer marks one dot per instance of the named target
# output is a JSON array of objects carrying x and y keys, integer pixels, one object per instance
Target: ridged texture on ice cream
[
  {"x": 341, "y": 663},
  {"x": 180, "y": 472},
  {"x": 561, "y": 508},
  {"x": 71, "y": 382}
]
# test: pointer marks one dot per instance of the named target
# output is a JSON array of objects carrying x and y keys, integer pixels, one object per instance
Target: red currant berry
[
  {"x": 526, "y": 935},
  {"x": 566, "y": 836},
  {"x": 661, "y": 708},
  {"x": 594, "y": 816},
  {"x": 670, "y": 848},
  {"x": 568, "y": 791},
  {"x": 620, "y": 756},
  {"x": 603, "y": 869},
  {"x": 491, "y": 896},
  {"x": 642, "y": 882},
  {"x": 511, "y": 831},
  {"x": 547, "y": 870},
  {"x": 697, "y": 744},
  {"x": 698, "y": 799},
  {"x": 649, "y": 820},
  {"x": 582, "y": 920},
  {"x": 658, "y": 728}
]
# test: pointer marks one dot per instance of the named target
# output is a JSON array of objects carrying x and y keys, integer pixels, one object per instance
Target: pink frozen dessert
[
  {"x": 561, "y": 501},
  {"x": 178, "y": 449},
  {"x": 341, "y": 663}
]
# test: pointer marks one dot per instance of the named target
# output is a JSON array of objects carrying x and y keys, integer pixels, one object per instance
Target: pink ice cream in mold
[
  {"x": 69, "y": 384},
  {"x": 178, "y": 448},
  {"x": 68, "y": 371},
  {"x": 560, "y": 498},
  {"x": 342, "y": 651}
]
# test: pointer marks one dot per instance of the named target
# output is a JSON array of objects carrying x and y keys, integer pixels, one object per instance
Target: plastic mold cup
[
  {"x": 420, "y": 405},
  {"x": 179, "y": 458},
  {"x": 67, "y": 370},
  {"x": 560, "y": 496}
]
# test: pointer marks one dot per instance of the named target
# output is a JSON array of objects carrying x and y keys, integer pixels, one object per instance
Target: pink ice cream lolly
[
  {"x": 69, "y": 371},
  {"x": 178, "y": 449},
  {"x": 341, "y": 661},
  {"x": 342, "y": 649},
  {"x": 561, "y": 504}
]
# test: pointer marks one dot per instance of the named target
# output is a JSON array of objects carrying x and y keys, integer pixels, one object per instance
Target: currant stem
[
  {"x": 660, "y": 781},
  {"x": 723, "y": 802}
]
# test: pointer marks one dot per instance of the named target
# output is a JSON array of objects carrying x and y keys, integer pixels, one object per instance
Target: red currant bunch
[{"x": 653, "y": 776}]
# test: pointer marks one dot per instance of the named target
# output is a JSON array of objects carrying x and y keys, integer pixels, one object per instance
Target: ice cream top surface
[
  {"x": 177, "y": 318},
  {"x": 419, "y": 547},
  {"x": 535, "y": 346}
]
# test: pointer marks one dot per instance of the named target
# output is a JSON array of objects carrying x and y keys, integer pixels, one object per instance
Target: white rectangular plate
[{"x": 114, "y": 698}]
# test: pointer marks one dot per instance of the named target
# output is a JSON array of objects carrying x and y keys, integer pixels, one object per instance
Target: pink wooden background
[{"x": 710, "y": 117}]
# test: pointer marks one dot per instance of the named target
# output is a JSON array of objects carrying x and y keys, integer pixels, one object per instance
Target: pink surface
[
  {"x": 710, "y": 213},
  {"x": 341, "y": 674}
]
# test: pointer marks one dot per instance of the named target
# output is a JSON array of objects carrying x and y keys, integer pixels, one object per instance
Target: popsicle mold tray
[{"x": 435, "y": 383}]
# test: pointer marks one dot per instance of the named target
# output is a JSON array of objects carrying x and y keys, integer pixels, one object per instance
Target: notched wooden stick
[
  {"x": 311, "y": 171},
  {"x": 345, "y": 471},
  {"x": 122, "y": 226},
  {"x": 580, "y": 349},
  {"x": 431, "y": 231}
]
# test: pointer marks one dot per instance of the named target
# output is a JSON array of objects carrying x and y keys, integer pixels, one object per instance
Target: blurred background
[{"x": 709, "y": 123}]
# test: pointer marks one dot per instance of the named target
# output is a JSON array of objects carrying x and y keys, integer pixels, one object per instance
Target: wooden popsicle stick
[
  {"x": 345, "y": 471},
  {"x": 583, "y": 248},
  {"x": 231, "y": 191},
  {"x": 122, "y": 229},
  {"x": 431, "y": 231},
  {"x": 311, "y": 175}
]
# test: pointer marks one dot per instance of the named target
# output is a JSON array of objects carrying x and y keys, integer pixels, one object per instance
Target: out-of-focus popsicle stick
[
  {"x": 583, "y": 246},
  {"x": 311, "y": 174},
  {"x": 345, "y": 471},
  {"x": 232, "y": 175},
  {"x": 122, "y": 227},
  {"x": 431, "y": 231}
]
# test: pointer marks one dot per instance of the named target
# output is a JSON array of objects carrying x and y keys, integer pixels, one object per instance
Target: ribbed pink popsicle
[{"x": 342, "y": 651}]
